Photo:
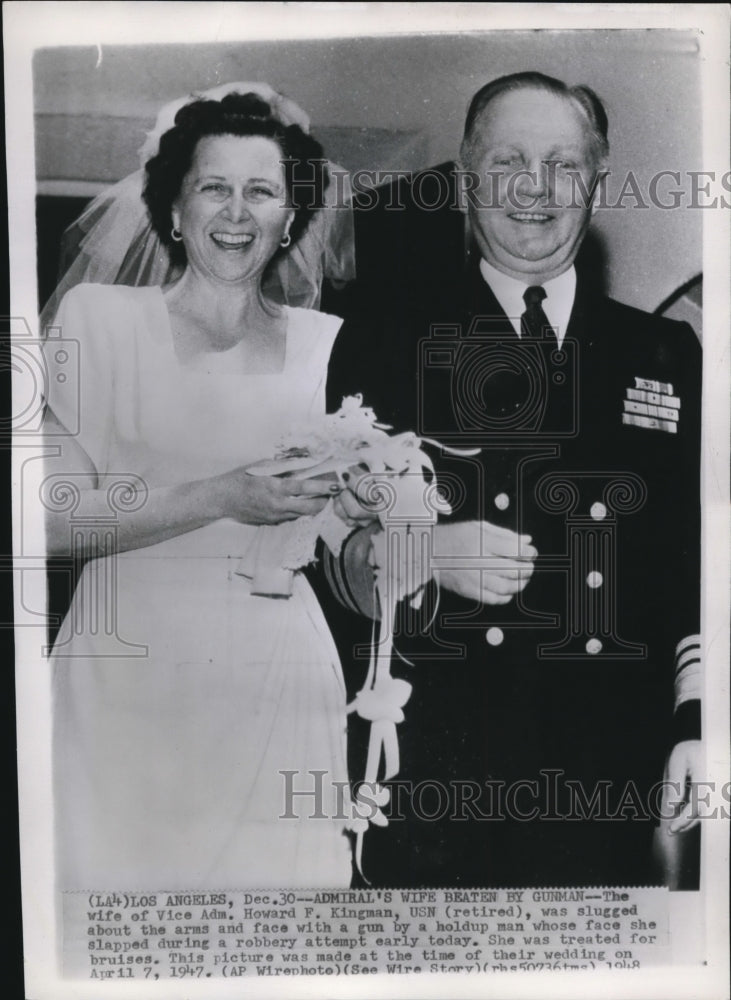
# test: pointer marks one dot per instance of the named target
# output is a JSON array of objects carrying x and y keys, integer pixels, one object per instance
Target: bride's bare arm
[{"x": 159, "y": 513}]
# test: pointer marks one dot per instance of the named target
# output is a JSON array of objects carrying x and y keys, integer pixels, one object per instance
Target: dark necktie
[{"x": 534, "y": 322}]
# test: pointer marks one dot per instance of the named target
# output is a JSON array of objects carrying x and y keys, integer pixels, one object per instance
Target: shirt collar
[{"x": 559, "y": 301}]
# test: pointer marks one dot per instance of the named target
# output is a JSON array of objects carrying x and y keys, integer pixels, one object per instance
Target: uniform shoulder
[{"x": 634, "y": 322}]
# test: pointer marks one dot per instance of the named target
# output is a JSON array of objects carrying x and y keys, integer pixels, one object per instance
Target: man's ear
[
  {"x": 460, "y": 171},
  {"x": 603, "y": 173},
  {"x": 463, "y": 157}
]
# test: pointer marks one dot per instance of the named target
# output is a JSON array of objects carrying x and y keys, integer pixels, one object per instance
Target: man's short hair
[{"x": 584, "y": 96}]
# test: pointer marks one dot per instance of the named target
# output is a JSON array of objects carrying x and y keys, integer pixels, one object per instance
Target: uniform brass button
[
  {"x": 494, "y": 636},
  {"x": 595, "y": 579},
  {"x": 593, "y": 647},
  {"x": 598, "y": 511},
  {"x": 502, "y": 501}
]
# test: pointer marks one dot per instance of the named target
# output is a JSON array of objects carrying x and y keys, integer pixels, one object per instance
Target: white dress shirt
[{"x": 557, "y": 305}]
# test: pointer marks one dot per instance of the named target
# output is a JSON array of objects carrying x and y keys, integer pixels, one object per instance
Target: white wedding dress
[{"x": 184, "y": 706}]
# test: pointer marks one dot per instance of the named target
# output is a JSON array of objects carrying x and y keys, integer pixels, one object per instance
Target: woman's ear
[{"x": 288, "y": 223}]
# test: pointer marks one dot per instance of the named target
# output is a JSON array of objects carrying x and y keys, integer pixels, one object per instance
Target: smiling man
[
  {"x": 547, "y": 718},
  {"x": 542, "y": 147}
]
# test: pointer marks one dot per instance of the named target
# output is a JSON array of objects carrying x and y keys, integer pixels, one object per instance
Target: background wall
[{"x": 399, "y": 102}]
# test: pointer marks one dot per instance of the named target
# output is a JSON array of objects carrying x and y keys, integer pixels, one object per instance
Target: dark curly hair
[{"x": 306, "y": 172}]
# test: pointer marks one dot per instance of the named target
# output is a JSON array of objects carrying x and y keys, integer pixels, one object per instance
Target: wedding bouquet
[{"x": 397, "y": 485}]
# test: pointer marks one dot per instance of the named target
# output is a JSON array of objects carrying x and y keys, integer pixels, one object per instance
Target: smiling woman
[
  {"x": 228, "y": 192},
  {"x": 242, "y": 116},
  {"x": 233, "y": 211},
  {"x": 175, "y": 725}
]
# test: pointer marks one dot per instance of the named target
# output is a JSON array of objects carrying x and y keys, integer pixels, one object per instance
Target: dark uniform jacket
[{"x": 536, "y": 730}]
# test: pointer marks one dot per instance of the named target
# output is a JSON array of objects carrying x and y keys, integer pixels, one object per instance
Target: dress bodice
[{"x": 138, "y": 410}]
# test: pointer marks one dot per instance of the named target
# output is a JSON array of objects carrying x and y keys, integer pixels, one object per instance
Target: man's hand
[
  {"x": 504, "y": 561},
  {"x": 683, "y": 766},
  {"x": 679, "y": 814},
  {"x": 352, "y": 504}
]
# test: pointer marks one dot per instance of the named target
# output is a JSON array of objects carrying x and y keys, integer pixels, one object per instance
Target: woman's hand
[
  {"x": 270, "y": 499},
  {"x": 156, "y": 514},
  {"x": 503, "y": 561}
]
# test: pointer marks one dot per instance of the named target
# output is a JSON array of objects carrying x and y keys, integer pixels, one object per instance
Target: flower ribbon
[
  {"x": 402, "y": 555},
  {"x": 380, "y": 701}
]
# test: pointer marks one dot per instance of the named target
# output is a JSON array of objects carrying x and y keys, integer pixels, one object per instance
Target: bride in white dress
[{"x": 185, "y": 706}]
